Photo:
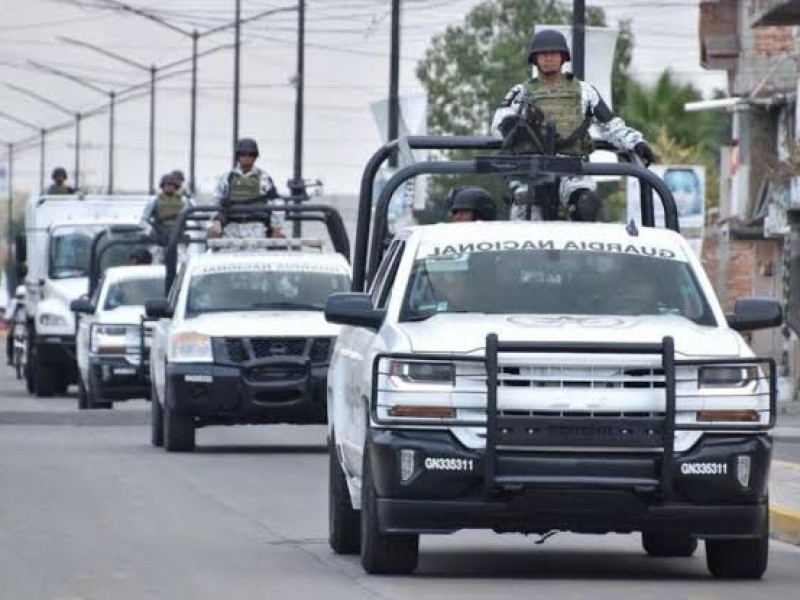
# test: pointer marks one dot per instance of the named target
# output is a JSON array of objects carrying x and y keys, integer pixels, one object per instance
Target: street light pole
[
  {"x": 193, "y": 118},
  {"x": 112, "y": 100},
  {"x": 78, "y": 118},
  {"x": 237, "y": 25},
  {"x": 18, "y": 121},
  {"x": 297, "y": 186},
  {"x": 394, "y": 79},
  {"x": 152, "y": 171},
  {"x": 578, "y": 37},
  {"x": 10, "y": 216},
  {"x": 43, "y": 134}
]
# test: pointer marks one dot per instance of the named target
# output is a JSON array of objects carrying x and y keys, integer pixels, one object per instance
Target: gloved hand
[
  {"x": 507, "y": 124},
  {"x": 645, "y": 152}
]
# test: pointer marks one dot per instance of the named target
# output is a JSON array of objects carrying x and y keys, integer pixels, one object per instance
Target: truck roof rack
[
  {"x": 223, "y": 244},
  {"x": 325, "y": 214},
  {"x": 373, "y": 213}
]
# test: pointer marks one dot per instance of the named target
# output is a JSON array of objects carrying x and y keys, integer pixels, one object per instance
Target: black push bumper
[
  {"x": 262, "y": 392},
  {"x": 116, "y": 379},
  {"x": 578, "y": 472},
  {"x": 446, "y": 491}
]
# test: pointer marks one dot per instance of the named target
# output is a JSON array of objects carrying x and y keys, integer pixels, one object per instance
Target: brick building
[{"x": 752, "y": 243}]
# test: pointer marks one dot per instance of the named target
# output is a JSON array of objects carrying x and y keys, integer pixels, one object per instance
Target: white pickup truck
[
  {"x": 532, "y": 377},
  {"x": 241, "y": 339},
  {"x": 109, "y": 340}
]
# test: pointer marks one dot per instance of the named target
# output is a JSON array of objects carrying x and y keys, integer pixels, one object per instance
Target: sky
[{"x": 347, "y": 68}]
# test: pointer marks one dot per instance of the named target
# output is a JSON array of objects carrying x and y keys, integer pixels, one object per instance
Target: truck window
[
  {"x": 260, "y": 289},
  {"x": 69, "y": 253},
  {"x": 133, "y": 292},
  {"x": 554, "y": 282}
]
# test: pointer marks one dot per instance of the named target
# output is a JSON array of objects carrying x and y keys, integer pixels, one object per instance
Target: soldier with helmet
[
  {"x": 246, "y": 185},
  {"x": 59, "y": 185},
  {"x": 572, "y": 106},
  {"x": 181, "y": 178},
  {"x": 470, "y": 203},
  {"x": 162, "y": 212}
]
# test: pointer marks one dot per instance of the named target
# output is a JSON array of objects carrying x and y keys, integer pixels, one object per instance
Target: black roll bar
[
  {"x": 648, "y": 182},
  {"x": 138, "y": 237},
  {"x": 302, "y": 212}
]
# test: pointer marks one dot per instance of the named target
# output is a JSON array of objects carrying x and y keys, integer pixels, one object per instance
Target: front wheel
[
  {"x": 179, "y": 431},
  {"x": 344, "y": 525},
  {"x": 738, "y": 559},
  {"x": 156, "y": 419},
  {"x": 83, "y": 396},
  {"x": 92, "y": 400},
  {"x": 383, "y": 553}
]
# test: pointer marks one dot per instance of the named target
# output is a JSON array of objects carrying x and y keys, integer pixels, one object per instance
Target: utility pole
[
  {"x": 36, "y": 128},
  {"x": 10, "y": 208},
  {"x": 60, "y": 108},
  {"x": 578, "y": 37},
  {"x": 394, "y": 80},
  {"x": 152, "y": 162},
  {"x": 296, "y": 185},
  {"x": 193, "y": 117},
  {"x": 82, "y": 82},
  {"x": 42, "y": 167},
  {"x": 237, "y": 48}
]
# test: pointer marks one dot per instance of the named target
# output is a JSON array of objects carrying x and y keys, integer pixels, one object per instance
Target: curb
[{"x": 785, "y": 523}]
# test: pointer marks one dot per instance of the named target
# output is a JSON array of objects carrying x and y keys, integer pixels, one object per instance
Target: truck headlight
[
  {"x": 423, "y": 372},
  {"x": 188, "y": 346},
  {"x": 726, "y": 376},
  {"x": 52, "y": 320}
]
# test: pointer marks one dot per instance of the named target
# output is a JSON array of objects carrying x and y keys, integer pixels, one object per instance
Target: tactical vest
[
  {"x": 167, "y": 208},
  {"x": 244, "y": 189},
  {"x": 60, "y": 189},
  {"x": 561, "y": 104}
]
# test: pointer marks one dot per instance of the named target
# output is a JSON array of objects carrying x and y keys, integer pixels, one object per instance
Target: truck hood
[
  {"x": 66, "y": 290},
  {"x": 467, "y": 332},
  {"x": 123, "y": 315},
  {"x": 294, "y": 323}
]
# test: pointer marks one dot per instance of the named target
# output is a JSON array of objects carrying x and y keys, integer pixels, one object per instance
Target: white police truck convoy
[
  {"x": 111, "y": 340},
  {"x": 58, "y": 236},
  {"x": 538, "y": 377}
]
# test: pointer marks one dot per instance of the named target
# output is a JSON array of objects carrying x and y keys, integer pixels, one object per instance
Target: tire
[
  {"x": 668, "y": 545},
  {"x": 83, "y": 397},
  {"x": 92, "y": 401},
  {"x": 178, "y": 430},
  {"x": 30, "y": 358},
  {"x": 344, "y": 523},
  {"x": 45, "y": 379},
  {"x": 29, "y": 379},
  {"x": 383, "y": 553},
  {"x": 156, "y": 419},
  {"x": 738, "y": 558}
]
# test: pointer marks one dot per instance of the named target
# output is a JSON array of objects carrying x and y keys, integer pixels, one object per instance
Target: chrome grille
[{"x": 589, "y": 376}]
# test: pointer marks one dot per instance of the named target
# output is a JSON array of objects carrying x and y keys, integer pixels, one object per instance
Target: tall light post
[
  {"x": 111, "y": 100},
  {"x": 10, "y": 207},
  {"x": 195, "y": 36},
  {"x": 394, "y": 79},
  {"x": 297, "y": 185},
  {"x": 36, "y": 128},
  {"x": 152, "y": 71},
  {"x": 578, "y": 37},
  {"x": 60, "y": 108}
]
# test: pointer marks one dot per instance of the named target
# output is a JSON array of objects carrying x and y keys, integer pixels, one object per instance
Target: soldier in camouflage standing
[
  {"x": 571, "y": 106},
  {"x": 163, "y": 210},
  {"x": 246, "y": 185},
  {"x": 59, "y": 185}
]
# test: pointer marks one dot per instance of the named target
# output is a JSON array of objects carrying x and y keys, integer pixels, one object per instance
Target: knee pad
[{"x": 584, "y": 205}]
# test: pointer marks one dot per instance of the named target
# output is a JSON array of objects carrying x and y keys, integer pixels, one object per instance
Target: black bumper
[
  {"x": 284, "y": 391},
  {"x": 446, "y": 496},
  {"x": 116, "y": 379}
]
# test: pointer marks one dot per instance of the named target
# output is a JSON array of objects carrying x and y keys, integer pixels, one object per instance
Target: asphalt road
[{"x": 88, "y": 510}]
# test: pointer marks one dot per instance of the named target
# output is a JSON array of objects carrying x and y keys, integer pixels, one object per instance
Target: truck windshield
[
  {"x": 70, "y": 251},
  {"x": 554, "y": 282},
  {"x": 254, "y": 290},
  {"x": 134, "y": 292}
]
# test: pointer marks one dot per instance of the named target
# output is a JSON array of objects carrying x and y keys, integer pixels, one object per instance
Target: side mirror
[
  {"x": 750, "y": 314},
  {"x": 20, "y": 250},
  {"x": 157, "y": 309},
  {"x": 353, "y": 309},
  {"x": 81, "y": 305}
]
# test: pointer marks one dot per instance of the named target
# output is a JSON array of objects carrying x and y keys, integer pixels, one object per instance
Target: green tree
[{"x": 468, "y": 68}]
